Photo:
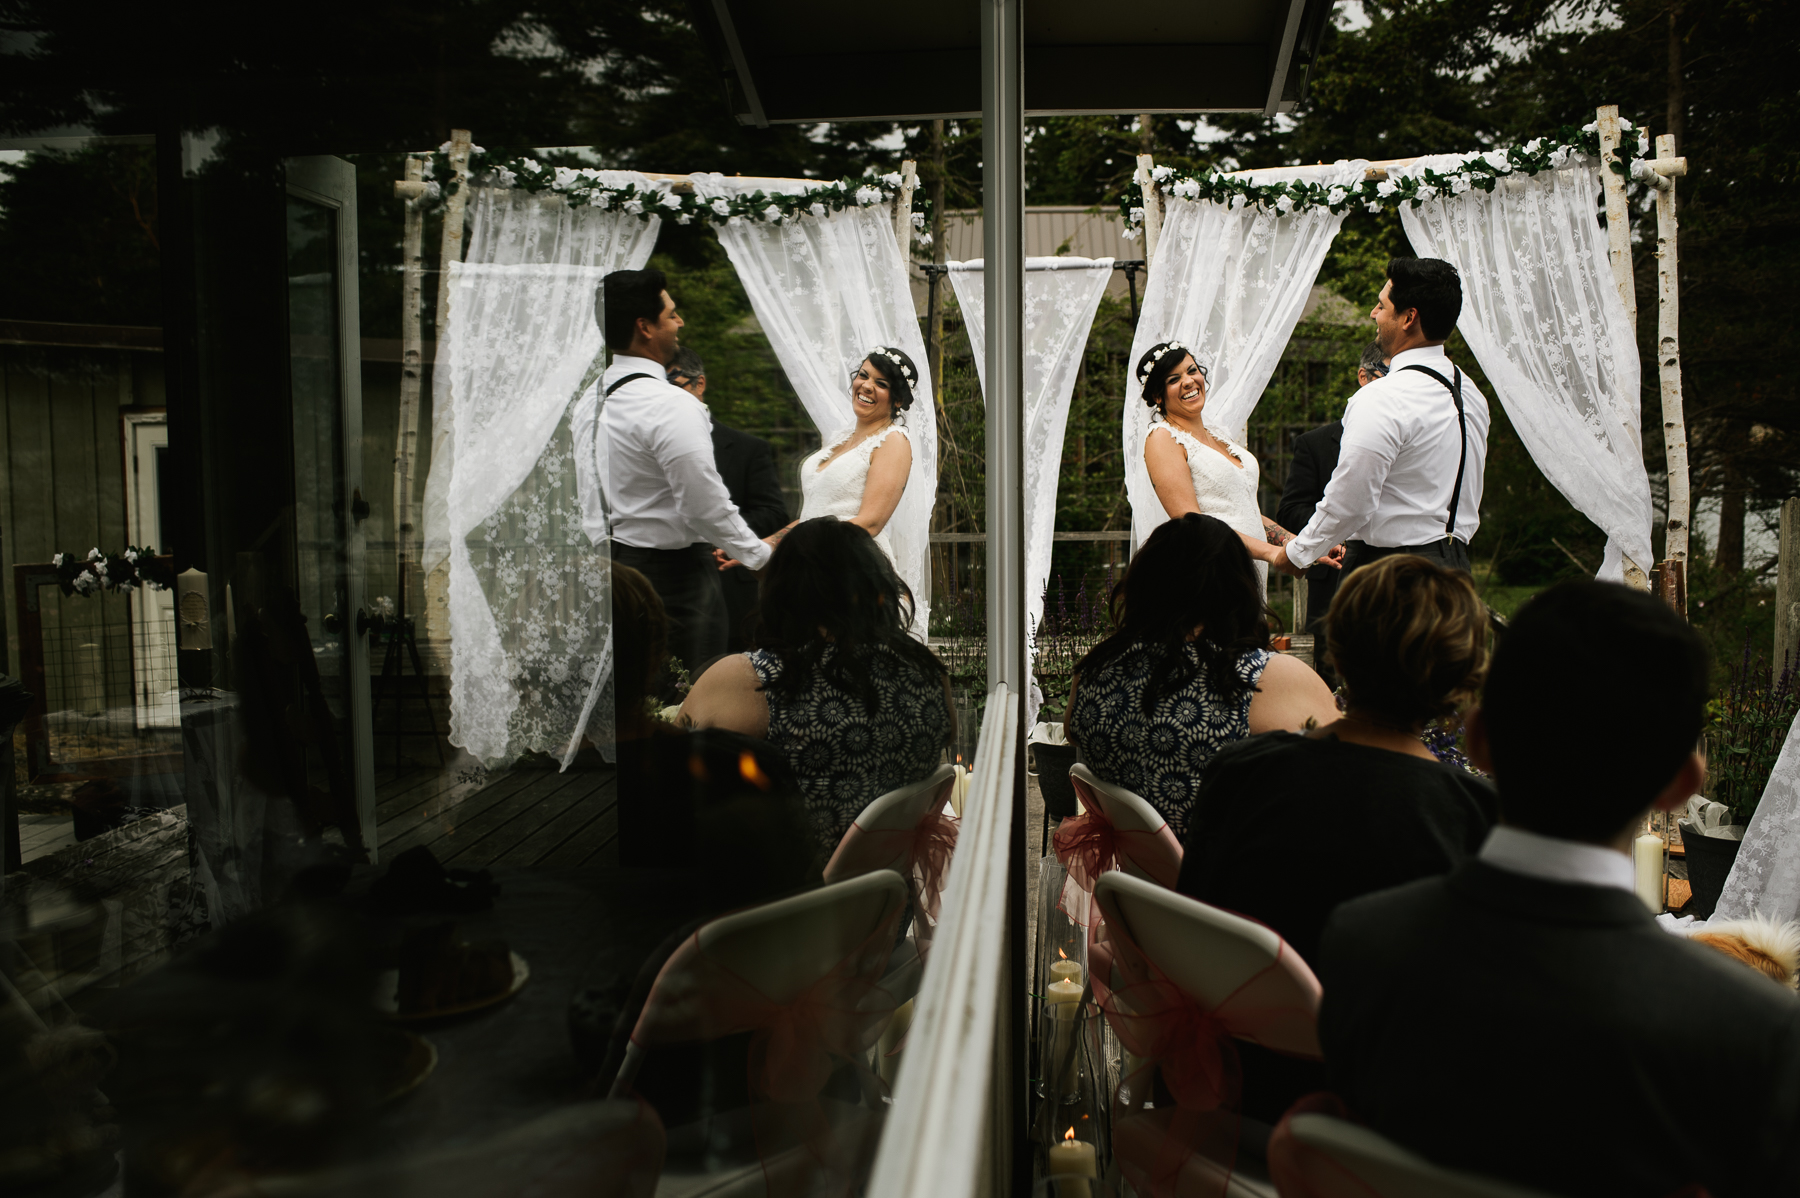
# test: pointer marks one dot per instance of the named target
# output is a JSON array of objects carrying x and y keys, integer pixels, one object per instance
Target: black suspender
[
  {"x": 1462, "y": 425},
  {"x": 641, "y": 375}
]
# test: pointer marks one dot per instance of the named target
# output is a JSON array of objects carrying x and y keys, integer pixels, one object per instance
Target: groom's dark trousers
[{"x": 687, "y": 582}]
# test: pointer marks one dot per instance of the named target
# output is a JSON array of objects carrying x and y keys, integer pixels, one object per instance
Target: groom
[{"x": 668, "y": 504}]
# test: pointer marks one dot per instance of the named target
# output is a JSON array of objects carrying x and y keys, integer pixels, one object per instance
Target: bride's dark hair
[
  {"x": 1193, "y": 571},
  {"x": 829, "y": 586},
  {"x": 1157, "y": 364},
  {"x": 900, "y": 371}
]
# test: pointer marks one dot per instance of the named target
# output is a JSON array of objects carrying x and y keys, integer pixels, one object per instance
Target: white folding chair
[
  {"x": 1211, "y": 954},
  {"x": 896, "y": 811},
  {"x": 1332, "y": 1158},
  {"x": 1156, "y": 854},
  {"x": 780, "y": 950}
]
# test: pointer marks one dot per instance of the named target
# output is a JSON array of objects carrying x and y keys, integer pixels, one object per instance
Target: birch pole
[
  {"x": 1618, "y": 236},
  {"x": 1146, "y": 178},
  {"x": 1668, "y": 358},
  {"x": 909, "y": 179},
  {"x": 437, "y": 585},
  {"x": 410, "y": 191}
]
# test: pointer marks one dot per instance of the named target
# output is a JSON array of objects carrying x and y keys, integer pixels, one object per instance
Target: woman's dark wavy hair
[
  {"x": 830, "y": 585},
  {"x": 1194, "y": 570},
  {"x": 889, "y": 361}
]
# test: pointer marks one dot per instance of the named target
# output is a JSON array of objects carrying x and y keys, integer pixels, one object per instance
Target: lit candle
[
  {"x": 959, "y": 790},
  {"x": 1064, "y": 992},
  {"x": 1065, "y": 970},
  {"x": 1647, "y": 856},
  {"x": 1072, "y": 1164},
  {"x": 1064, "y": 999}
]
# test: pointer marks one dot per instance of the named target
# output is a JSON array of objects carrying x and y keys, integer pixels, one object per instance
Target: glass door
[{"x": 324, "y": 375}]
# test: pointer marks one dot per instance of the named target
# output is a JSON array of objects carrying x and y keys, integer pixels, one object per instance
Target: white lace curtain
[
  {"x": 1765, "y": 880},
  {"x": 1061, "y": 295},
  {"x": 529, "y": 598},
  {"x": 1229, "y": 281},
  {"x": 1545, "y": 320},
  {"x": 827, "y": 289}
]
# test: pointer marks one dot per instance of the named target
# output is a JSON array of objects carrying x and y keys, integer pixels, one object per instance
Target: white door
[{"x": 156, "y": 692}]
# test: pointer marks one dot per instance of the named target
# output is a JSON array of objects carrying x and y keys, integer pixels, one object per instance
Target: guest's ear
[
  {"x": 1684, "y": 785},
  {"x": 1475, "y": 734}
]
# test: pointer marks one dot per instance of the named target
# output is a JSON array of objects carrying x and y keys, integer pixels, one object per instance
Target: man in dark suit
[
  {"x": 1315, "y": 457},
  {"x": 1525, "y": 1017},
  {"x": 747, "y": 464}
]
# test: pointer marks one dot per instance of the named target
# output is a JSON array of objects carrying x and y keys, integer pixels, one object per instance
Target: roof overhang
[{"x": 791, "y": 61}]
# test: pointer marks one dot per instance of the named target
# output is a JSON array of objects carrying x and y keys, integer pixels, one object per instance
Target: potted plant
[{"x": 1746, "y": 725}]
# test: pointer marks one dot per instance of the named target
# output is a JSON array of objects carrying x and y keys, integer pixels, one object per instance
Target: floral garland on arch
[
  {"x": 124, "y": 572},
  {"x": 1478, "y": 170},
  {"x": 583, "y": 186}
]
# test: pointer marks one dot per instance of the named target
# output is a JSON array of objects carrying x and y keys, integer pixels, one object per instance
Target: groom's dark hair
[
  {"x": 1430, "y": 285},
  {"x": 1596, "y": 696},
  {"x": 628, "y": 296}
]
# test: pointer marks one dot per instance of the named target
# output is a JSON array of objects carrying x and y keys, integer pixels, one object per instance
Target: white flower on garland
[
  {"x": 57, "y": 560},
  {"x": 1459, "y": 183},
  {"x": 670, "y": 200},
  {"x": 131, "y": 556},
  {"x": 1590, "y": 127},
  {"x": 95, "y": 555},
  {"x": 1644, "y": 142},
  {"x": 1498, "y": 160},
  {"x": 85, "y": 584},
  {"x": 1335, "y": 196},
  {"x": 925, "y": 238},
  {"x": 868, "y": 195},
  {"x": 816, "y": 208},
  {"x": 1374, "y": 206},
  {"x": 505, "y": 177},
  {"x": 1427, "y": 193},
  {"x": 530, "y": 164},
  {"x": 635, "y": 207},
  {"x": 1532, "y": 146},
  {"x": 1137, "y": 216},
  {"x": 720, "y": 206},
  {"x": 1129, "y": 234},
  {"x": 100, "y": 569},
  {"x": 1559, "y": 157},
  {"x": 1188, "y": 188},
  {"x": 684, "y": 219},
  {"x": 601, "y": 199},
  {"x": 1162, "y": 172},
  {"x": 1239, "y": 202},
  {"x": 1386, "y": 188},
  {"x": 1285, "y": 204},
  {"x": 918, "y": 220},
  {"x": 892, "y": 179},
  {"x": 566, "y": 177},
  {"x": 772, "y": 214}
]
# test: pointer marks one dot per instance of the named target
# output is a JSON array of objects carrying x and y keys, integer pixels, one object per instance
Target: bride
[
  {"x": 1195, "y": 471},
  {"x": 861, "y": 476}
]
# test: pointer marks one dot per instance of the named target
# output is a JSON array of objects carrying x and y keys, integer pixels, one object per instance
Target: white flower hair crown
[
  {"x": 1149, "y": 364},
  {"x": 893, "y": 355}
]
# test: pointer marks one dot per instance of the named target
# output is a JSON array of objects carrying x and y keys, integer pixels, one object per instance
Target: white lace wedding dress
[
  {"x": 836, "y": 488},
  {"x": 1223, "y": 490}
]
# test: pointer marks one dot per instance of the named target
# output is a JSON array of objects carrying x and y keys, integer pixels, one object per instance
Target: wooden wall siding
[
  {"x": 63, "y": 466},
  {"x": 1087, "y": 234}
]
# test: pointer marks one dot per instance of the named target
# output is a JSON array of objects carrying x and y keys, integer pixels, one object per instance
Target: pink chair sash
[
  {"x": 795, "y": 1048},
  {"x": 1089, "y": 844},
  {"x": 922, "y": 852},
  {"x": 1188, "y": 1152},
  {"x": 1301, "y": 1171}
]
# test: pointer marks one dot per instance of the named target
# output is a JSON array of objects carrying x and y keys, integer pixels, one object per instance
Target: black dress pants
[
  {"x": 1447, "y": 552},
  {"x": 687, "y": 582}
]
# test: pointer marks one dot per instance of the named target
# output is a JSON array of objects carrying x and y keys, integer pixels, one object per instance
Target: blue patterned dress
[
  {"x": 845, "y": 756},
  {"x": 1159, "y": 756}
]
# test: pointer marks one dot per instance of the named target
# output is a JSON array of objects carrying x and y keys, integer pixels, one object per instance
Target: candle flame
[
  {"x": 1069, "y": 1135},
  {"x": 1063, "y": 955}
]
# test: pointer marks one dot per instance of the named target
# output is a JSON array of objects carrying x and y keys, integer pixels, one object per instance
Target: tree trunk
[
  {"x": 1730, "y": 555},
  {"x": 1146, "y": 133}
]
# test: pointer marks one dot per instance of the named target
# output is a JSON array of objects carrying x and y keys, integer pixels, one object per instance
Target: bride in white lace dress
[
  {"x": 860, "y": 475},
  {"x": 1195, "y": 471}
]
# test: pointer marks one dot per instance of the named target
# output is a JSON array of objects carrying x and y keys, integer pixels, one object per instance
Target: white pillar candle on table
[
  {"x": 1064, "y": 1000},
  {"x": 1066, "y": 970},
  {"x": 1072, "y": 1164},
  {"x": 1647, "y": 858}
]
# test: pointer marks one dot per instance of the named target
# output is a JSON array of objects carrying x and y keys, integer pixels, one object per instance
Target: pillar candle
[
  {"x": 1066, "y": 971},
  {"x": 1064, "y": 1002},
  {"x": 1647, "y": 857},
  {"x": 1072, "y": 1164}
]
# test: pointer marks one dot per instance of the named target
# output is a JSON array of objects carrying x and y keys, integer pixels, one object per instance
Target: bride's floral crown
[
  {"x": 901, "y": 363},
  {"x": 1149, "y": 361}
]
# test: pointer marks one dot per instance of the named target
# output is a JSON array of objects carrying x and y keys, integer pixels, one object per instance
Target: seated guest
[
  {"x": 1189, "y": 670},
  {"x": 1524, "y": 1017},
  {"x": 859, "y": 706},
  {"x": 1287, "y": 826}
]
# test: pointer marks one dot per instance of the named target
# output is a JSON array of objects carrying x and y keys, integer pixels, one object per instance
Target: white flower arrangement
[
  {"x": 892, "y": 179},
  {"x": 816, "y": 208},
  {"x": 635, "y": 207},
  {"x": 1162, "y": 172},
  {"x": 918, "y": 220},
  {"x": 670, "y": 200},
  {"x": 772, "y": 214},
  {"x": 1386, "y": 188},
  {"x": 1284, "y": 205},
  {"x": 721, "y": 206},
  {"x": 868, "y": 195}
]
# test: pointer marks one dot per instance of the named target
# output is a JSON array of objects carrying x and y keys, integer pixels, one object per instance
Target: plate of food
[{"x": 441, "y": 975}]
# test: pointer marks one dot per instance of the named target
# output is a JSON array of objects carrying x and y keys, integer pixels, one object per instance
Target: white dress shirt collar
[
  {"x": 1556, "y": 860},
  {"x": 1423, "y": 355}
]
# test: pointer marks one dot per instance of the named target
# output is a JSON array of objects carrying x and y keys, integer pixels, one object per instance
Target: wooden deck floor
[{"x": 537, "y": 818}]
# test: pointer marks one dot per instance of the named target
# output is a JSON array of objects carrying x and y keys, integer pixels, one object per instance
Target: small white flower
[
  {"x": 816, "y": 208},
  {"x": 1161, "y": 173},
  {"x": 1590, "y": 127},
  {"x": 58, "y": 559},
  {"x": 1625, "y": 124},
  {"x": 720, "y": 206},
  {"x": 1427, "y": 192},
  {"x": 1188, "y": 188},
  {"x": 1532, "y": 146},
  {"x": 772, "y": 214},
  {"x": 635, "y": 207},
  {"x": 86, "y": 584},
  {"x": 1285, "y": 204},
  {"x": 1238, "y": 203},
  {"x": 684, "y": 219},
  {"x": 1374, "y": 207},
  {"x": 892, "y": 179},
  {"x": 1559, "y": 157},
  {"x": 474, "y": 149},
  {"x": 603, "y": 199},
  {"x": 94, "y": 555},
  {"x": 566, "y": 177},
  {"x": 1335, "y": 196},
  {"x": 100, "y": 568},
  {"x": 1498, "y": 160},
  {"x": 918, "y": 220},
  {"x": 444, "y": 149},
  {"x": 734, "y": 220},
  {"x": 868, "y": 195},
  {"x": 924, "y": 239},
  {"x": 670, "y": 200},
  {"x": 1137, "y": 216},
  {"x": 1129, "y": 234},
  {"x": 505, "y": 177},
  {"x": 1459, "y": 184},
  {"x": 530, "y": 164},
  {"x": 1386, "y": 187},
  {"x": 1644, "y": 141},
  {"x": 131, "y": 555}
]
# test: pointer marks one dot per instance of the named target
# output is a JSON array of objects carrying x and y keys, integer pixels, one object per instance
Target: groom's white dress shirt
[
  {"x": 1397, "y": 464},
  {"x": 662, "y": 484}
]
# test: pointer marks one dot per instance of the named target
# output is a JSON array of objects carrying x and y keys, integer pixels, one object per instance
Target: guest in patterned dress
[
  {"x": 1189, "y": 670},
  {"x": 858, "y": 705}
]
